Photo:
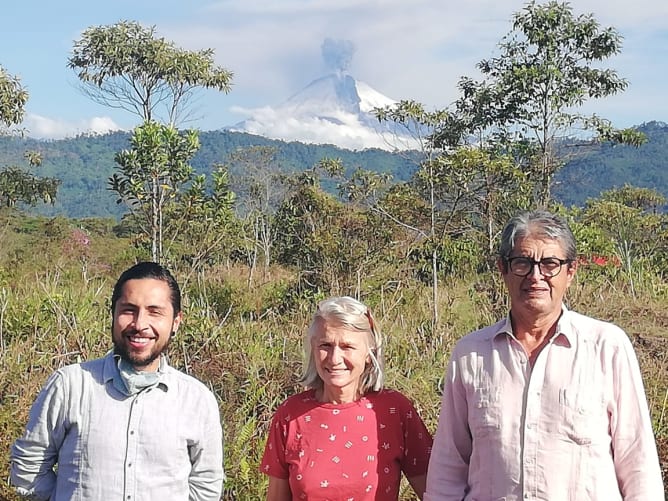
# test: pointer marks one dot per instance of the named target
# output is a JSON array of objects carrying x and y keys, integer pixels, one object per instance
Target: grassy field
[{"x": 243, "y": 338}]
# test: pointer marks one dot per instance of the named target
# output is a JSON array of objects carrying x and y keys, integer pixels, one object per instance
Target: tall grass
[{"x": 245, "y": 341}]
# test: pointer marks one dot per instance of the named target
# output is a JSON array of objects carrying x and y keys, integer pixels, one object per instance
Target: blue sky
[{"x": 413, "y": 49}]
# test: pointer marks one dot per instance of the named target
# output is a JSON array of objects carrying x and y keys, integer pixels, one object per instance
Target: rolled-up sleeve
[{"x": 34, "y": 455}]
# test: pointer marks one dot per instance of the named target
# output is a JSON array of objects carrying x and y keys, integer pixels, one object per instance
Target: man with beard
[{"x": 127, "y": 425}]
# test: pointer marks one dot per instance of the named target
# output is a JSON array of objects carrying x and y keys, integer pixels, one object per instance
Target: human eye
[
  {"x": 520, "y": 264},
  {"x": 550, "y": 263},
  {"x": 156, "y": 312}
]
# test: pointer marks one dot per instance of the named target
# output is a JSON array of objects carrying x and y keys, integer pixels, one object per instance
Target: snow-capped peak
[{"x": 334, "y": 109}]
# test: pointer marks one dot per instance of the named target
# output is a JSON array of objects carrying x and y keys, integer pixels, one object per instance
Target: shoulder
[
  {"x": 187, "y": 387},
  {"x": 392, "y": 399},
  {"x": 600, "y": 332},
  {"x": 90, "y": 369},
  {"x": 482, "y": 336},
  {"x": 305, "y": 399}
]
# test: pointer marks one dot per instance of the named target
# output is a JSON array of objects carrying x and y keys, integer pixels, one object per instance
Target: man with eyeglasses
[{"x": 546, "y": 404}]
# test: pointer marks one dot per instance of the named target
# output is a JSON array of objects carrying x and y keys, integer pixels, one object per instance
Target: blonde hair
[{"x": 351, "y": 313}]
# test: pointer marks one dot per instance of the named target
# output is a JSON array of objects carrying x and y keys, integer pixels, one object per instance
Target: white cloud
[
  {"x": 342, "y": 129},
  {"x": 40, "y": 127},
  {"x": 407, "y": 50}
]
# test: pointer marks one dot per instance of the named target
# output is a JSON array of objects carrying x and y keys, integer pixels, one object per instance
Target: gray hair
[
  {"x": 350, "y": 313},
  {"x": 540, "y": 224}
]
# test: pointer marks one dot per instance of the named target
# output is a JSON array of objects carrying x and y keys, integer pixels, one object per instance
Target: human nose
[
  {"x": 336, "y": 355},
  {"x": 141, "y": 321},
  {"x": 535, "y": 273}
]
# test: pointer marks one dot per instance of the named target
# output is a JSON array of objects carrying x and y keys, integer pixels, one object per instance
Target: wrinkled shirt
[
  {"x": 164, "y": 443},
  {"x": 575, "y": 426}
]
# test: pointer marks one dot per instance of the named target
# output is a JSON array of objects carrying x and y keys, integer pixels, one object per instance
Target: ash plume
[{"x": 337, "y": 54}]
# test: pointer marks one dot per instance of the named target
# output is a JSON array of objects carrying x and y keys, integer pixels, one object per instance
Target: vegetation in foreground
[{"x": 242, "y": 334}]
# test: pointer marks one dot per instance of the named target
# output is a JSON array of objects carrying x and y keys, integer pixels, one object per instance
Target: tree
[
  {"x": 16, "y": 185},
  {"x": 202, "y": 223},
  {"x": 260, "y": 182},
  {"x": 126, "y": 66},
  {"x": 630, "y": 219},
  {"x": 545, "y": 72},
  {"x": 467, "y": 183},
  {"x": 332, "y": 244},
  {"x": 151, "y": 174},
  {"x": 13, "y": 98}
]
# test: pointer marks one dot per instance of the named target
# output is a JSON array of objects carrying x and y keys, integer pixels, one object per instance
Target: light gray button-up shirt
[{"x": 164, "y": 443}]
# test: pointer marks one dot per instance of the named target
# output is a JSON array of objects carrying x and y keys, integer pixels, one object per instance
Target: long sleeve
[
  {"x": 206, "y": 475},
  {"x": 447, "y": 477},
  {"x": 34, "y": 455},
  {"x": 633, "y": 443}
]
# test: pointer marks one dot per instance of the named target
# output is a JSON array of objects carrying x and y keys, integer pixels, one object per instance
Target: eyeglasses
[{"x": 523, "y": 266}]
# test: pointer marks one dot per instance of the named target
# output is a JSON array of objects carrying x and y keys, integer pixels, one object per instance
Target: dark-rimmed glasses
[{"x": 523, "y": 266}]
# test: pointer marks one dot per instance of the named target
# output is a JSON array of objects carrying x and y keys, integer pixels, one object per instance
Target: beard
[{"x": 140, "y": 360}]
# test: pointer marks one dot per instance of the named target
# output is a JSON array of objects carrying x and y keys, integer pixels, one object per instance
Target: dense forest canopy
[{"x": 84, "y": 164}]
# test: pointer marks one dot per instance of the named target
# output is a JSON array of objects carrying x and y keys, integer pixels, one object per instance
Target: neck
[
  {"x": 533, "y": 334},
  {"x": 337, "y": 395},
  {"x": 532, "y": 328}
]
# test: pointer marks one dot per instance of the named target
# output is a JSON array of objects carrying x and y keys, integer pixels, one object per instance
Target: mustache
[{"x": 131, "y": 331}]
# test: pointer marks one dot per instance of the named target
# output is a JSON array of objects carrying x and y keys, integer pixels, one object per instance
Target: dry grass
[{"x": 245, "y": 343}]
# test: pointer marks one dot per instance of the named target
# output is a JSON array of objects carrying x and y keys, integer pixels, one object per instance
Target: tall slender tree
[
  {"x": 126, "y": 66},
  {"x": 151, "y": 175},
  {"x": 544, "y": 74}
]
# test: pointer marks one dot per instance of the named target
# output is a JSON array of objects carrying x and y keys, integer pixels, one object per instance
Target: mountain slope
[
  {"x": 85, "y": 163},
  {"x": 335, "y": 109}
]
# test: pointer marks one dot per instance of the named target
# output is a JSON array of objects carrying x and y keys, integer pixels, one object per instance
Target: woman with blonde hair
[{"x": 345, "y": 437}]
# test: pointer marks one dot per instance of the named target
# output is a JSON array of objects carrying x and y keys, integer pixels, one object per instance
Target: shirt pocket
[
  {"x": 485, "y": 411},
  {"x": 584, "y": 418}
]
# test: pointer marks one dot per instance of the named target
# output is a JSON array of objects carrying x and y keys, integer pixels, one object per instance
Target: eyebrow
[{"x": 152, "y": 307}]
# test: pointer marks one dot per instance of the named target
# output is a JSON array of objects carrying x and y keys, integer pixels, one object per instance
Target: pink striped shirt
[{"x": 575, "y": 426}]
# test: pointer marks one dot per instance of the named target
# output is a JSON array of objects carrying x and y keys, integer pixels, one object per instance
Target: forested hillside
[
  {"x": 85, "y": 163},
  {"x": 596, "y": 168}
]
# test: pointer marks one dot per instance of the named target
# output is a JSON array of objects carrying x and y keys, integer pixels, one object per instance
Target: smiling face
[
  {"x": 143, "y": 321},
  {"x": 341, "y": 355},
  {"x": 535, "y": 295}
]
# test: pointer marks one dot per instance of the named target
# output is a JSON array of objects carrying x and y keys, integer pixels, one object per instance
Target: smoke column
[{"x": 337, "y": 54}]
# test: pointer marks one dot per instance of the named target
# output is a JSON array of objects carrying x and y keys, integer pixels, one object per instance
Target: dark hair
[
  {"x": 541, "y": 224},
  {"x": 148, "y": 270}
]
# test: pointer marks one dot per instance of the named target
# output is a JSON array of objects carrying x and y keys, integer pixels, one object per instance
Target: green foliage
[
  {"x": 330, "y": 242},
  {"x": 13, "y": 98},
  {"x": 16, "y": 185},
  {"x": 595, "y": 168},
  {"x": 244, "y": 338},
  {"x": 126, "y": 66},
  {"x": 202, "y": 223},
  {"x": 544, "y": 73},
  {"x": 458, "y": 257},
  {"x": 151, "y": 174}
]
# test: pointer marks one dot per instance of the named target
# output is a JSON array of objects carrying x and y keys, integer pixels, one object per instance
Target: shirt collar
[{"x": 564, "y": 335}]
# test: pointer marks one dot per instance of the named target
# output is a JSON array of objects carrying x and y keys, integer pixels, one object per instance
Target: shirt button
[{"x": 132, "y": 432}]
